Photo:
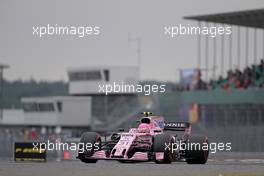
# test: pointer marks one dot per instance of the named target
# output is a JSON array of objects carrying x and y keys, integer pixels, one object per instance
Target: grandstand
[
  {"x": 229, "y": 108},
  {"x": 238, "y": 55}
]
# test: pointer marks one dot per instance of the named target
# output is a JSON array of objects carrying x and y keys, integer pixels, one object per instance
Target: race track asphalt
[{"x": 214, "y": 167}]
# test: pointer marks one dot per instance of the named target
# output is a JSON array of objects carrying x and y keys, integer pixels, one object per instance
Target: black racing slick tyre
[
  {"x": 93, "y": 140},
  {"x": 197, "y": 155},
  {"x": 160, "y": 144}
]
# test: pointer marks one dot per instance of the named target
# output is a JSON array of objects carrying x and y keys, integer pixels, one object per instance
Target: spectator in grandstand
[
  {"x": 260, "y": 74},
  {"x": 239, "y": 79},
  {"x": 251, "y": 77},
  {"x": 197, "y": 82}
]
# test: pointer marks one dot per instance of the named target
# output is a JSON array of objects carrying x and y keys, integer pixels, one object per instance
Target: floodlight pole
[
  {"x": 214, "y": 58},
  {"x": 262, "y": 43},
  {"x": 199, "y": 48},
  {"x": 238, "y": 47},
  {"x": 231, "y": 51},
  {"x": 255, "y": 46},
  {"x": 2, "y": 67},
  {"x": 222, "y": 54},
  {"x": 246, "y": 47},
  {"x": 206, "y": 55}
]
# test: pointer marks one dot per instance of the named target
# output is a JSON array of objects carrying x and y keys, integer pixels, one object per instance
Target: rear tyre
[
  {"x": 90, "y": 139},
  {"x": 197, "y": 155},
  {"x": 159, "y": 146}
]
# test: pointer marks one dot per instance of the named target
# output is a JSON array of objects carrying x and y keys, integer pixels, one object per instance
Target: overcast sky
[{"x": 48, "y": 58}]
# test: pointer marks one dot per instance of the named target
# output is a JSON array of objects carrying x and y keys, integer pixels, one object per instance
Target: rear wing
[{"x": 177, "y": 126}]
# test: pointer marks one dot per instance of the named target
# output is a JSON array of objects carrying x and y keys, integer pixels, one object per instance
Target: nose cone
[{"x": 123, "y": 145}]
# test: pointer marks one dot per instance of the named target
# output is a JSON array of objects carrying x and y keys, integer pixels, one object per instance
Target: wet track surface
[{"x": 223, "y": 167}]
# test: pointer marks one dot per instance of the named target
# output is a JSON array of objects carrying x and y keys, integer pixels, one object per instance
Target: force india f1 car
[{"x": 151, "y": 141}]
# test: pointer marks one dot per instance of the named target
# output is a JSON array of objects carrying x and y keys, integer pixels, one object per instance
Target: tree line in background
[{"x": 13, "y": 91}]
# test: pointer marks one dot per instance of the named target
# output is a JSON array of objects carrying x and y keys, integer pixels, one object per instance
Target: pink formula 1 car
[{"x": 152, "y": 140}]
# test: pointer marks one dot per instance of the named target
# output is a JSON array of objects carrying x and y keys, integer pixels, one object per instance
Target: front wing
[{"x": 138, "y": 156}]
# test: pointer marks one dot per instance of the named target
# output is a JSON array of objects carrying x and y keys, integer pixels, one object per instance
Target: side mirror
[{"x": 121, "y": 130}]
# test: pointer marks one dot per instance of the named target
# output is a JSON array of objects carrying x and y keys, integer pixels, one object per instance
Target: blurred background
[{"x": 49, "y": 86}]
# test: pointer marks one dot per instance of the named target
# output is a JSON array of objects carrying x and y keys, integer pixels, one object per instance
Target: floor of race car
[{"x": 214, "y": 167}]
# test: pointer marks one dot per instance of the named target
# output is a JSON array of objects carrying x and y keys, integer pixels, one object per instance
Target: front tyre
[
  {"x": 93, "y": 140},
  {"x": 160, "y": 144},
  {"x": 197, "y": 155}
]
